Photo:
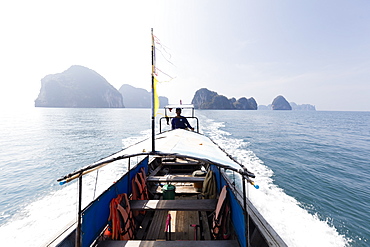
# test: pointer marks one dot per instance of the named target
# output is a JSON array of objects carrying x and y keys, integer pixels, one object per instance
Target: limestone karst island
[{"x": 81, "y": 87}]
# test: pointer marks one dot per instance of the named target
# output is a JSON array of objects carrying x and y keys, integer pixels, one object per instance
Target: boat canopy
[
  {"x": 176, "y": 142},
  {"x": 186, "y": 143}
]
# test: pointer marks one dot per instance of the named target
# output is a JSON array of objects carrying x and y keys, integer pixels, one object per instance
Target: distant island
[
  {"x": 78, "y": 86},
  {"x": 82, "y": 87},
  {"x": 206, "y": 99},
  {"x": 139, "y": 98},
  {"x": 303, "y": 107},
  {"x": 280, "y": 103}
]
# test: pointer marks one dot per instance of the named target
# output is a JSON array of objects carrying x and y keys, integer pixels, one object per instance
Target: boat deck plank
[
  {"x": 175, "y": 179},
  {"x": 158, "y": 226},
  {"x": 180, "y": 163},
  {"x": 174, "y": 205},
  {"x": 142, "y": 232},
  {"x": 185, "y": 231},
  {"x": 139, "y": 243},
  {"x": 206, "y": 232}
]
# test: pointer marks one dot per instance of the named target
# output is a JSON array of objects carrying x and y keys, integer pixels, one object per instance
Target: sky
[{"x": 311, "y": 52}]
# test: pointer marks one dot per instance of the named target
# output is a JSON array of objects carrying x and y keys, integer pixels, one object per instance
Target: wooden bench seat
[
  {"x": 175, "y": 179},
  {"x": 174, "y": 205},
  {"x": 137, "y": 243},
  {"x": 180, "y": 163}
]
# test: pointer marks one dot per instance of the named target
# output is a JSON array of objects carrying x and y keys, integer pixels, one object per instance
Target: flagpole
[{"x": 153, "y": 97}]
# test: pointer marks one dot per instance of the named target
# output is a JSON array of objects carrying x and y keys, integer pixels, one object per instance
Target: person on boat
[{"x": 180, "y": 122}]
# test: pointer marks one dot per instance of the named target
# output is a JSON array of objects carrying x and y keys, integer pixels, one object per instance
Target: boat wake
[
  {"x": 39, "y": 221},
  {"x": 286, "y": 215}
]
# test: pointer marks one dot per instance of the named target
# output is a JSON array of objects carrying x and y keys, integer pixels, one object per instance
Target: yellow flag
[{"x": 156, "y": 99}]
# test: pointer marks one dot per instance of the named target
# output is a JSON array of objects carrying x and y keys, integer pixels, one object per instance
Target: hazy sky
[{"x": 311, "y": 52}]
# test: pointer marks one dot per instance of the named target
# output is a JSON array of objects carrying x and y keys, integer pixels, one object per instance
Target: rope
[
  {"x": 171, "y": 78},
  {"x": 162, "y": 50},
  {"x": 157, "y": 41},
  {"x": 167, "y": 59}
]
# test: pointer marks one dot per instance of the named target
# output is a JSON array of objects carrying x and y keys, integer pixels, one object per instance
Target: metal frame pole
[
  {"x": 128, "y": 170},
  {"x": 79, "y": 215},
  {"x": 246, "y": 214},
  {"x": 153, "y": 97}
]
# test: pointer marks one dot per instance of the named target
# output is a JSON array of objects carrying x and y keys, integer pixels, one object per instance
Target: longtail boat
[{"x": 183, "y": 190}]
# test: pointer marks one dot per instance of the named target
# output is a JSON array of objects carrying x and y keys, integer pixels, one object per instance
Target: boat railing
[
  {"x": 190, "y": 111},
  {"x": 97, "y": 165},
  {"x": 244, "y": 173},
  {"x": 237, "y": 182}
]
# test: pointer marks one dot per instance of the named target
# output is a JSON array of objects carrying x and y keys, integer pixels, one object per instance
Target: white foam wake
[
  {"x": 39, "y": 221},
  {"x": 295, "y": 225}
]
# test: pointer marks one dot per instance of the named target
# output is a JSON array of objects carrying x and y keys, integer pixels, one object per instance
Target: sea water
[{"x": 312, "y": 167}]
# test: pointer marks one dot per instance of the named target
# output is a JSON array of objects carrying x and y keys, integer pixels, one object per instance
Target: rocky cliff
[
  {"x": 202, "y": 98},
  {"x": 246, "y": 104},
  {"x": 139, "y": 98},
  {"x": 78, "y": 86},
  {"x": 280, "y": 103},
  {"x": 206, "y": 99}
]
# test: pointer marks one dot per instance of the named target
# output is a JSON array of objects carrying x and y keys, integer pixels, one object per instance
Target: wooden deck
[
  {"x": 182, "y": 227},
  {"x": 180, "y": 163},
  {"x": 174, "y": 205},
  {"x": 175, "y": 179},
  {"x": 182, "y": 233},
  {"x": 138, "y": 243},
  {"x": 189, "y": 221},
  {"x": 154, "y": 223}
]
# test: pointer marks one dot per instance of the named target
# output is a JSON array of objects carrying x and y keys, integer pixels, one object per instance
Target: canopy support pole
[
  {"x": 153, "y": 96},
  {"x": 128, "y": 171},
  {"x": 78, "y": 230},
  {"x": 246, "y": 214}
]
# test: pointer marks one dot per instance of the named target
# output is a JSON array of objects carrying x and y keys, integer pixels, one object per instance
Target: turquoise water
[
  {"x": 319, "y": 158},
  {"x": 312, "y": 167}
]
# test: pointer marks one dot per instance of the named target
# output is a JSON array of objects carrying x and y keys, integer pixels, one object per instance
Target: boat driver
[{"x": 180, "y": 122}]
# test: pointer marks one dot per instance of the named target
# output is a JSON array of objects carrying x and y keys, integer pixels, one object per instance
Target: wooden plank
[
  {"x": 192, "y": 219},
  {"x": 144, "y": 225},
  {"x": 180, "y": 218},
  {"x": 174, "y": 205},
  {"x": 161, "y": 234},
  {"x": 138, "y": 243},
  {"x": 156, "y": 170},
  {"x": 180, "y": 163},
  {"x": 174, "y": 179},
  {"x": 157, "y": 225},
  {"x": 206, "y": 229}
]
